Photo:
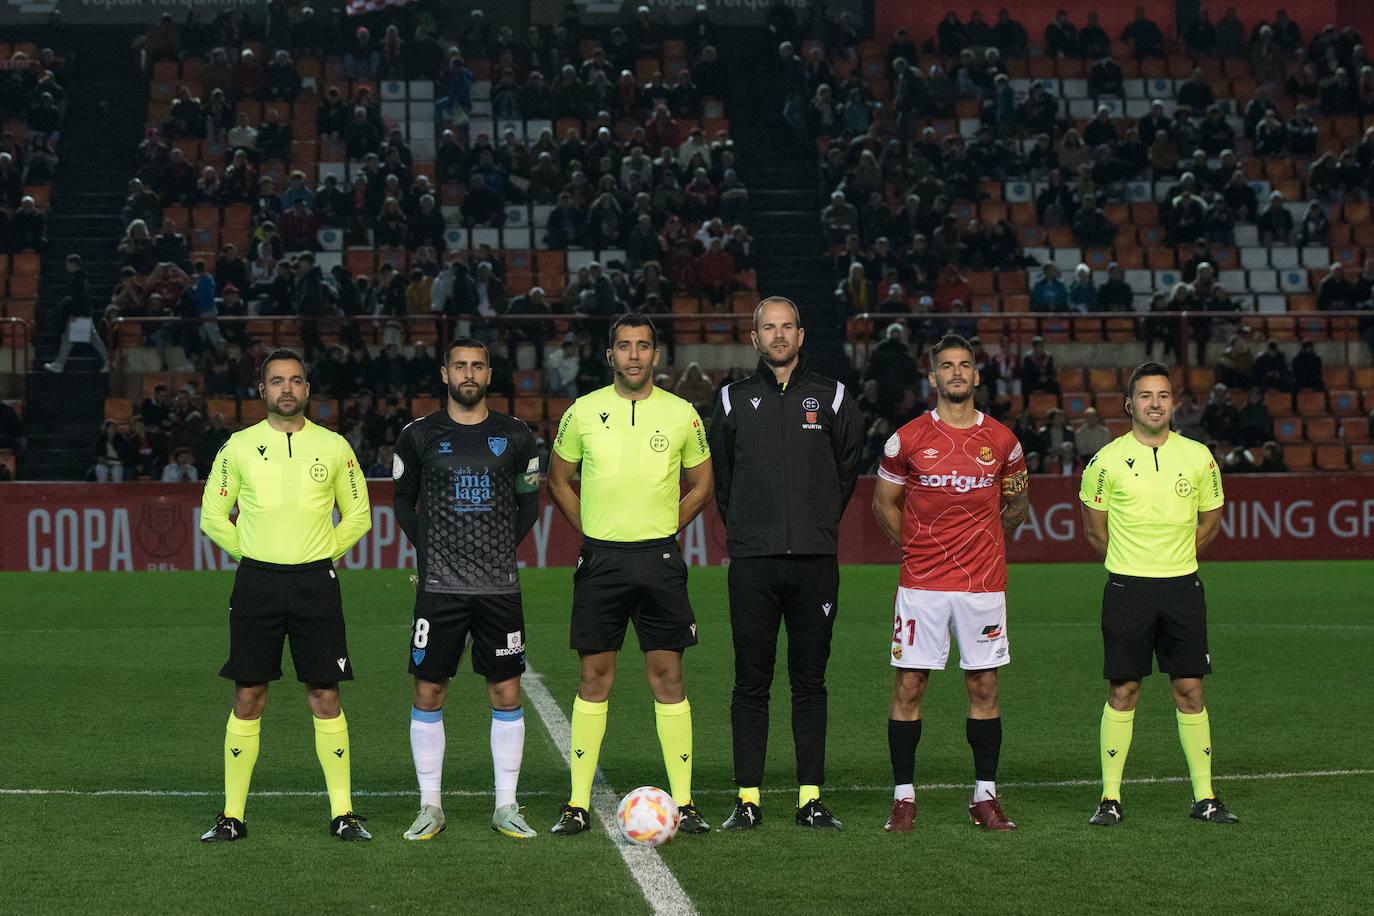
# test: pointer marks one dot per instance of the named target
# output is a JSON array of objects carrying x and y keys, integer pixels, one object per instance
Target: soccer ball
[{"x": 647, "y": 816}]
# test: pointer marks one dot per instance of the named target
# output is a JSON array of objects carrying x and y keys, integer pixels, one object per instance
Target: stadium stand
[{"x": 363, "y": 200}]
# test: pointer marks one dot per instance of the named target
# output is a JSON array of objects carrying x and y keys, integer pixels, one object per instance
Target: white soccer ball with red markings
[{"x": 647, "y": 816}]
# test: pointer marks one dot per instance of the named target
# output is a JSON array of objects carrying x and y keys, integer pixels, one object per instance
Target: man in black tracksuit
[{"x": 786, "y": 444}]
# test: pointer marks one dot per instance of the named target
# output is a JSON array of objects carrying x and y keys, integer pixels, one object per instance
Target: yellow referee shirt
[
  {"x": 286, "y": 485},
  {"x": 1152, "y": 496},
  {"x": 631, "y": 454}
]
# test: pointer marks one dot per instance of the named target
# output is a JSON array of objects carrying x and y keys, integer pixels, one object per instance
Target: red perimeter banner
[{"x": 72, "y": 527}]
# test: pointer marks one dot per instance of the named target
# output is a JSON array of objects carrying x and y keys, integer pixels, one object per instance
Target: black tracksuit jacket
[{"x": 786, "y": 461}]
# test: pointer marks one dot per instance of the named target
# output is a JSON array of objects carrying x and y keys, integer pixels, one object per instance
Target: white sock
[
  {"x": 507, "y": 748},
  {"x": 983, "y": 789},
  {"x": 906, "y": 791},
  {"x": 427, "y": 747}
]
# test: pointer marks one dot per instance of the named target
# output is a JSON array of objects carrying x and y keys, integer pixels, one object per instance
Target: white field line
[
  {"x": 655, "y": 880},
  {"x": 615, "y": 832}
]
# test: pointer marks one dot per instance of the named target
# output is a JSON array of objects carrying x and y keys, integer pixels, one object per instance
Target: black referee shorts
[
  {"x": 271, "y": 602},
  {"x": 1165, "y": 618},
  {"x": 641, "y": 581}
]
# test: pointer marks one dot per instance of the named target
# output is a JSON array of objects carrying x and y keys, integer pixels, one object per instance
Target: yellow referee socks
[
  {"x": 1115, "y": 741},
  {"x": 240, "y": 753},
  {"x": 588, "y": 728},
  {"x": 331, "y": 746},
  {"x": 749, "y": 794},
  {"x": 675, "y": 737},
  {"x": 1195, "y": 734}
]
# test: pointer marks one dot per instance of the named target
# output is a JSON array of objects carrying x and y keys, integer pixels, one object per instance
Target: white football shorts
[{"x": 924, "y": 619}]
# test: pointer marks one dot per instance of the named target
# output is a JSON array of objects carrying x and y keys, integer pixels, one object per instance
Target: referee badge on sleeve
[
  {"x": 892, "y": 446},
  {"x": 398, "y": 467}
]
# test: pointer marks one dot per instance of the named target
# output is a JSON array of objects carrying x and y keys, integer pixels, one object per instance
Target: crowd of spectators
[
  {"x": 33, "y": 104},
  {"x": 893, "y": 175}
]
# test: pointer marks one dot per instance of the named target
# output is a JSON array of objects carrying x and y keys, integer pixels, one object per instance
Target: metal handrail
[
  {"x": 862, "y": 343},
  {"x": 444, "y": 323}
]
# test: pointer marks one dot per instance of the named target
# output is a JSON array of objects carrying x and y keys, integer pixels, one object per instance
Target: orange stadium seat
[
  {"x": 1311, "y": 403},
  {"x": 1104, "y": 380},
  {"x": 1110, "y": 405},
  {"x": 1072, "y": 378},
  {"x": 1321, "y": 430},
  {"x": 1288, "y": 429},
  {"x": 1278, "y": 403},
  {"x": 1298, "y": 457},
  {"x": 1362, "y": 457},
  {"x": 1355, "y": 429},
  {"x": 1344, "y": 403},
  {"x": 1332, "y": 458}
]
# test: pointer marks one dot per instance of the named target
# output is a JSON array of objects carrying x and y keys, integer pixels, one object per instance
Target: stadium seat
[
  {"x": 1311, "y": 403},
  {"x": 121, "y": 409},
  {"x": 1110, "y": 405},
  {"x": 1362, "y": 457},
  {"x": 1363, "y": 378},
  {"x": 1288, "y": 429},
  {"x": 1298, "y": 457},
  {"x": 1278, "y": 403},
  {"x": 1355, "y": 429},
  {"x": 1076, "y": 403},
  {"x": 252, "y": 412},
  {"x": 528, "y": 408},
  {"x": 1344, "y": 403},
  {"x": 1332, "y": 458},
  {"x": 1201, "y": 379},
  {"x": 1108, "y": 380},
  {"x": 1040, "y": 403},
  {"x": 1321, "y": 430}
]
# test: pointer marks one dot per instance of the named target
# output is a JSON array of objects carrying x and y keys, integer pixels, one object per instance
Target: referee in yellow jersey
[
  {"x": 1151, "y": 503},
  {"x": 286, "y": 474},
  {"x": 633, "y": 442}
]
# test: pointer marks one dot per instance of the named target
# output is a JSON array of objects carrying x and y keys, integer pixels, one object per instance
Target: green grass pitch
[{"x": 108, "y": 690}]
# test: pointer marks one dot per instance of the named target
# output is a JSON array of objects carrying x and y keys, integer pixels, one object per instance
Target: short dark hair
[
  {"x": 634, "y": 320},
  {"x": 466, "y": 343},
  {"x": 949, "y": 342},
  {"x": 1145, "y": 370},
  {"x": 278, "y": 354},
  {"x": 796, "y": 312}
]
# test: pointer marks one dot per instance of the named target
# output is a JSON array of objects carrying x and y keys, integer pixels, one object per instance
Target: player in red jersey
[{"x": 951, "y": 488}]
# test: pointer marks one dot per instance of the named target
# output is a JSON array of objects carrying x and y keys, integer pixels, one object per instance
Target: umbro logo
[
  {"x": 261, "y": 450},
  {"x": 578, "y": 753},
  {"x": 1130, "y": 462},
  {"x": 1112, "y": 752},
  {"x": 338, "y": 752},
  {"x": 756, "y": 402},
  {"x": 604, "y": 417},
  {"x": 235, "y": 751}
]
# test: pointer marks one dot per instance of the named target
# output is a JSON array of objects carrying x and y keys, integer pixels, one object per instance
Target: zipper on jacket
[
  {"x": 632, "y": 413},
  {"x": 786, "y": 482}
]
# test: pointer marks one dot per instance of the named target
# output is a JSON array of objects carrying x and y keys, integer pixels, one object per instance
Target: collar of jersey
[{"x": 765, "y": 373}]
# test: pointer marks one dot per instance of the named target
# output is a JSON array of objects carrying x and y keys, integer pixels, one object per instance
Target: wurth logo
[{"x": 959, "y": 483}]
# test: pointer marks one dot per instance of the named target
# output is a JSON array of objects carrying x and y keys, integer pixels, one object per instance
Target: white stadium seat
[
  {"x": 1263, "y": 281},
  {"x": 393, "y": 91},
  {"x": 1271, "y": 305},
  {"x": 1283, "y": 257},
  {"x": 421, "y": 90},
  {"x": 1251, "y": 258},
  {"x": 1247, "y": 234},
  {"x": 1165, "y": 279},
  {"x": 1141, "y": 282},
  {"x": 1293, "y": 281},
  {"x": 1316, "y": 257}
]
